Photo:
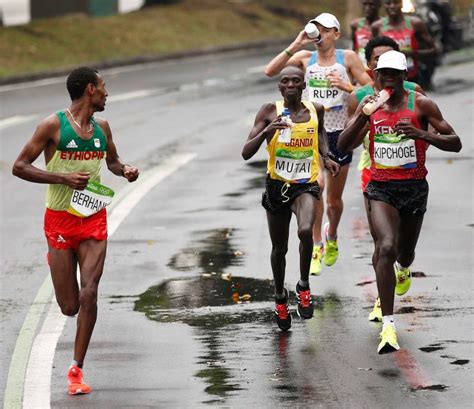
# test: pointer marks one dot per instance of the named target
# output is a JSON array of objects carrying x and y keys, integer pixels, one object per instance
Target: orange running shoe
[{"x": 75, "y": 381}]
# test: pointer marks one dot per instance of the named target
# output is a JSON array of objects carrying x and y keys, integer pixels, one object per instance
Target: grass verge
[{"x": 61, "y": 43}]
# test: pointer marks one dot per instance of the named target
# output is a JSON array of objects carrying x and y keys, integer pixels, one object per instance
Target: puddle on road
[
  {"x": 213, "y": 306},
  {"x": 389, "y": 373},
  {"x": 213, "y": 252},
  {"x": 438, "y": 387},
  {"x": 431, "y": 348},
  {"x": 225, "y": 311},
  {"x": 255, "y": 182},
  {"x": 460, "y": 362}
]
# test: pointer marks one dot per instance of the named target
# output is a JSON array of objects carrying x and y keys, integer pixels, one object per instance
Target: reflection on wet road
[{"x": 233, "y": 319}]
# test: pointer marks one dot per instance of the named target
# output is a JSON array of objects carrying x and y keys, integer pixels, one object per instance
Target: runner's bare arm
[
  {"x": 352, "y": 135},
  {"x": 445, "y": 140},
  {"x": 45, "y": 139},
  {"x": 376, "y": 28},
  {"x": 353, "y": 32},
  {"x": 284, "y": 58},
  {"x": 356, "y": 68},
  {"x": 352, "y": 105},
  {"x": 424, "y": 37},
  {"x": 323, "y": 143},
  {"x": 265, "y": 125},
  {"x": 263, "y": 128},
  {"x": 114, "y": 164}
]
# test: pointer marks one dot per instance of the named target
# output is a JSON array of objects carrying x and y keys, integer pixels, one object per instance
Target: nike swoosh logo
[{"x": 380, "y": 120}]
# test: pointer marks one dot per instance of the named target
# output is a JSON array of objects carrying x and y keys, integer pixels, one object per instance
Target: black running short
[
  {"x": 339, "y": 157},
  {"x": 278, "y": 196},
  {"x": 409, "y": 197}
]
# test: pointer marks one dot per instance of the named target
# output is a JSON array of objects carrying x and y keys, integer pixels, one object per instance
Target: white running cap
[
  {"x": 392, "y": 59},
  {"x": 327, "y": 20}
]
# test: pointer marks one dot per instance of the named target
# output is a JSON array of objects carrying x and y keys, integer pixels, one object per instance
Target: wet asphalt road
[{"x": 170, "y": 332}]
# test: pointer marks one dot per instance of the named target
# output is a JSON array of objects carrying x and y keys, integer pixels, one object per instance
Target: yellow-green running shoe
[
  {"x": 376, "y": 313},
  {"x": 403, "y": 275},
  {"x": 315, "y": 267},
  {"x": 388, "y": 340},
  {"x": 331, "y": 251}
]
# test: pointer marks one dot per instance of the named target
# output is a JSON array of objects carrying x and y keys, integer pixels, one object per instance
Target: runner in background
[
  {"x": 397, "y": 191},
  {"x": 411, "y": 35},
  {"x": 361, "y": 31},
  {"x": 329, "y": 73},
  {"x": 74, "y": 144}
]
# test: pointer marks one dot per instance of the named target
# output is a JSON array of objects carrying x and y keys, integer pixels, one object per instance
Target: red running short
[
  {"x": 64, "y": 231},
  {"x": 365, "y": 178}
]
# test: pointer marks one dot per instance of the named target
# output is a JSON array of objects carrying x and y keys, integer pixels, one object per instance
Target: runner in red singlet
[
  {"x": 361, "y": 31},
  {"x": 398, "y": 190},
  {"x": 410, "y": 33}
]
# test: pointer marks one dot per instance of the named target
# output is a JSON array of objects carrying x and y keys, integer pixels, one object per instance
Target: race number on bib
[
  {"x": 93, "y": 198},
  {"x": 392, "y": 152},
  {"x": 293, "y": 166}
]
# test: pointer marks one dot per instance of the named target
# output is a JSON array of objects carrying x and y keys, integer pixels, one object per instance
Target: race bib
[
  {"x": 293, "y": 166},
  {"x": 93, "y": 198},
  {"x": 320, "y": 90},
  {"x": 394, "y": 152}
]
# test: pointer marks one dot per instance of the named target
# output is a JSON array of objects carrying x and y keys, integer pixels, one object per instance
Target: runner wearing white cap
[
  {"x": 329, "y": 76},
  {"x": 398, "y": 190}
]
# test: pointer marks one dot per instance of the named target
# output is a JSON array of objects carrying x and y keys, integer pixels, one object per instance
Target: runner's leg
[
  {"x": 63, "y": 267},
  {"x": 279, "y": 227},
  {"x": 304, "y": 208},
  {"x": 319, "y": 205},
  {"x": 408, "y": 235},
  {"x": 335, "y": 188},
  {"x": 385, "y": 221},
  {"x": 91, "y": 257}
]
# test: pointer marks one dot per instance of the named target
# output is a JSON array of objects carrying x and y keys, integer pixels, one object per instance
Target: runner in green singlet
[{"x": 74, "y": 144}]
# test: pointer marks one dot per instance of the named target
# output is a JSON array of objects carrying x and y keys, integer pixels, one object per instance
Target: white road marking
[
  {"x": 36, "y": 385},
  {"x": 15, "y": 120},
  {"x": 32, "y": 84},
  {"x": 142, "y": 93},
  {"x": 256, "y": 70}
]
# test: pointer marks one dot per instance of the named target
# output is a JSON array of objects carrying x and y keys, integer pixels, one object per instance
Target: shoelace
[
  {"x": 403, "y": 276},
  {"x": 282, "y": 311},
  {"x": 75, "y": 377},
  {"x": 304, "y": 298}
]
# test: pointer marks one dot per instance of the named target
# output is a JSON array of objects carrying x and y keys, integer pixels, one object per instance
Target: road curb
[
  {"x": 141, "y": 59},
  {"x": 458, "y": 57}
]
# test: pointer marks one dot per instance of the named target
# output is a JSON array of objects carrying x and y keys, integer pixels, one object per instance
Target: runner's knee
[
  {"x": 88, "y": 297},
  {"x": 387, "y": 251},
  {"x": 279, "y": 249},
  {"x": 334, "y": 203},
  {"x": 69, "y": 309},
  {"x": 305, "y": 233}
]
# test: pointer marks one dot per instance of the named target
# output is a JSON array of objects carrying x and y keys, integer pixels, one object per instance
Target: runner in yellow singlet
[
  {"x": 74, "y": 144},
  {"x": 329, "y": 73},
  {"x": 291, "y": 184}
]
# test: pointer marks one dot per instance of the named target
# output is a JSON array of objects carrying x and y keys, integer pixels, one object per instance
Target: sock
[
  {"x": 77, "y": 363},
  {"x": 318, "y": 244},
  {"x": 388, "y": 320},
  {"x": 331, "y": 238},
  {"x": 398, "y": 266},
  {"x": 303, "y": 284},
  {"x": 281, "y": 296}
]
